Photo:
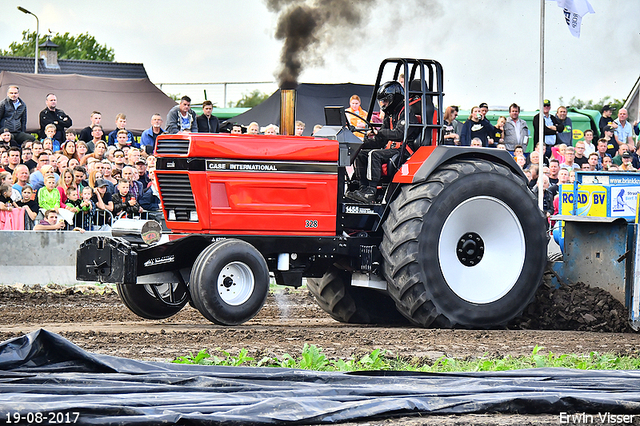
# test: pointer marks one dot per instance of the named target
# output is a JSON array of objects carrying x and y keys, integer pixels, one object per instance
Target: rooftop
[{"x": 75, "y": 66}]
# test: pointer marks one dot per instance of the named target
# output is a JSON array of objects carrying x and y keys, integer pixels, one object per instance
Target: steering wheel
[{"x": 369, "y": 128}]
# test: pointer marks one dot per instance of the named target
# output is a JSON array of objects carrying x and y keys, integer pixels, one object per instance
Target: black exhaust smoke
[{"x": 308, "y": 27}]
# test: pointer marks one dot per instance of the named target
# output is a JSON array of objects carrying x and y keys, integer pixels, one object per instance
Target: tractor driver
[{"x": 383, "y": 144}]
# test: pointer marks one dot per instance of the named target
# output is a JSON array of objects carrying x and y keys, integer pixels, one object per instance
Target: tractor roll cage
[{"x": 425, "y": 71}]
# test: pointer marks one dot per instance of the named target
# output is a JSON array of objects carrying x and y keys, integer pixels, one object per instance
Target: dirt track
[{"x": 100, "y": 323}]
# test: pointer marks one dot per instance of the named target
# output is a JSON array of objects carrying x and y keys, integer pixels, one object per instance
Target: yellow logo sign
[{"x": 577, "y": 134}]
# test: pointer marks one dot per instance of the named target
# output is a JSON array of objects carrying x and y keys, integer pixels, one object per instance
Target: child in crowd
[
  {"x": 125, "y": 202},
  {"x": 28, "y": 203},
  {"x": 558, "y": 152},
  {"x": 81, "y": 207},
  {"x": 88, "y": 207},
  {"x": 498, "y": 135},
  {"x": 50, "y": 131},
  {"x": 121, "y": 122},
  {"x": 71, "y": 136},
  {"x": 49, "y": 196},
  {"x": 6, "y": 203}
]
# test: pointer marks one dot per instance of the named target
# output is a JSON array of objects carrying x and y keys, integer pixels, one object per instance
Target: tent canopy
[
  {"x": 310, "y": 102},
  {"x": 79, "y": 95}
]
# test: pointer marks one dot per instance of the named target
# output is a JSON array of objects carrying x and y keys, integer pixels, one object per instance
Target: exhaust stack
[{"x": 287, "y": 112}]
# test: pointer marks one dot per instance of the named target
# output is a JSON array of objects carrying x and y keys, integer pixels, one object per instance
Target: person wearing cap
[
  {"x": 101, "y": 196},
  {"x": 551, "y": 127},
  {"x": 13, "y": 116},
  {"x": 606, "y": 119},
  {"x": 612, "y": 144},
  {"x": 143, "y": 176},
  {"x": 484, "y": 109},
  {"x": 626, "y": 163},
  {"x": 623, "y": 149}
]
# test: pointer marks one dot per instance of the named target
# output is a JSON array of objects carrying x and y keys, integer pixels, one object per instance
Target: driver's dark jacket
[{"x": 393, "y": 128}]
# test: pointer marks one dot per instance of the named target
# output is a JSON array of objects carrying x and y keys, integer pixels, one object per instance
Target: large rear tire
[
  {"x": 352, "y": 305},
  {"x": 229, "y": 282},
  {"x": 467, "y": 247},
  {"x": 154, "y": 301}
]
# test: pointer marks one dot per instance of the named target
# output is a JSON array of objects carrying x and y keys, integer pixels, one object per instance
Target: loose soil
[{"x": 571, "y": 319}]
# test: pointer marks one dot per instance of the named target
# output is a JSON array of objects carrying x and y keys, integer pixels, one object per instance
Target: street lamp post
[{"x": 23, "y": 10}]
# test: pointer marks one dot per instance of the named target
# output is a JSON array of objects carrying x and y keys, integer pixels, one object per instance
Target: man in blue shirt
[{"x": 148, "y": 138}]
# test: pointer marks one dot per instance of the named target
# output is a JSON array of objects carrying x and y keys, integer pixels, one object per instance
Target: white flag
[{"x": 574, "y": 10}]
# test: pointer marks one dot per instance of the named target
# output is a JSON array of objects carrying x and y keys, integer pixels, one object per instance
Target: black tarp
[
  {"x": 310, "y": 102},
  {"x": 43, "y": 372}
]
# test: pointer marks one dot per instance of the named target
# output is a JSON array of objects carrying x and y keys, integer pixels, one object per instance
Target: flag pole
[{"x": 541, "y": 118}]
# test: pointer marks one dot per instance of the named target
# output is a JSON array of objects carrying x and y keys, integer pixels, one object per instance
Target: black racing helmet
[{"x": 393, "y": 93}]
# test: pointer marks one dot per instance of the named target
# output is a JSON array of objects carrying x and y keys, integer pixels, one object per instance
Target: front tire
[
  {"x": 466, "y": 247},
  {"x": 154, "y": 301},
  {"x": 229, "y": 282}
]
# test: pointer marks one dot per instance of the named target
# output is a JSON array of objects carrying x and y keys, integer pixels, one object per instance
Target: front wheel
[
  {"x": 467, "y": 247},
  {"x": 229, "y": 282},
  {"x": 154, "y": 301}
]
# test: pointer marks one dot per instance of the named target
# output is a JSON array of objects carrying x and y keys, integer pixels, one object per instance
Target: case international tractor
[{"x": 453, "y": 239}]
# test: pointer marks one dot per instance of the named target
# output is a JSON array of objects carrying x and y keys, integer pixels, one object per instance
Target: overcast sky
[{"x": 489, "y": 49}]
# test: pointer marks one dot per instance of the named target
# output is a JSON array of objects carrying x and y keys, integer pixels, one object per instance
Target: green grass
[{"x": 312, "y": 358}]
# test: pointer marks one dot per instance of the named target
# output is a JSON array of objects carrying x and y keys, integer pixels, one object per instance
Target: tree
[
  {"x": 82, "y": 46},
  {"x": 252, "y": 99},
  {"x": 616, "y": 104}
]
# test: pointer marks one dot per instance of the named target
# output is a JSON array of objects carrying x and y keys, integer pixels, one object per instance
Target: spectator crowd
[
  {"x": 63, "y": 179},
  {"x": 610, "y": 147}
]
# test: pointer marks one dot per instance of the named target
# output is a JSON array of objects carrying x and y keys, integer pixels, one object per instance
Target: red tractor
[{"x": 453, "y": 238}]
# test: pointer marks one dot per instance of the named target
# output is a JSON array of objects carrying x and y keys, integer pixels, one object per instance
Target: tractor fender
[{"x": 428, "y": 158}]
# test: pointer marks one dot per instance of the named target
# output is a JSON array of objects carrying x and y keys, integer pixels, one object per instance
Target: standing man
[
  {"x": 181, "y": 118},
  {"x": 516, "y": 131},
  {"x": 208, "y": 123},
  {"x": 85, "y": 134},
  {"x": 566, "y": 135},
  {"x": 149, "y": 136},
  {"x": 484, "y": 109},
  {"x": 55, "y": 116},
  {"x": 551, "y": 127},
  {"x": 13, "y": 116},
  {"x": 623, "y": 131}
]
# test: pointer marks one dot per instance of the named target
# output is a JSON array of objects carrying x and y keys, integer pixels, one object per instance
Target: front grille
[
  {"x": 176, "y": 194},
  {"x": 172, "y": 146}
]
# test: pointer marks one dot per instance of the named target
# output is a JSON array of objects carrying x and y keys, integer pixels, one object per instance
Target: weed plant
[{"x": 312, "y": 358}]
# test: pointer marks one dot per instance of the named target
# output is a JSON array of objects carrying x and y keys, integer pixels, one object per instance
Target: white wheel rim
[
  {"x": 235, "y": 283},
  {"x": 497, "y": 271}
]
